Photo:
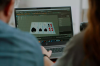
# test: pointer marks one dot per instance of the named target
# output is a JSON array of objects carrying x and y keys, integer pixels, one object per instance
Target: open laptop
[{"x": 51, "y": 25}]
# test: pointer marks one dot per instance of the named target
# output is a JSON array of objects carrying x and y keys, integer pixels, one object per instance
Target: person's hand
[{"x": 44, "y": 51}]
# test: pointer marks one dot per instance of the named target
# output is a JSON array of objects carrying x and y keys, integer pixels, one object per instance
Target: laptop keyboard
[{"x": 56, "y": 50}]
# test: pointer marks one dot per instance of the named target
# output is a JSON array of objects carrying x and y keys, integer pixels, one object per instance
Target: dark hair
[
  {"x": 4, "y": 3},
  {"x": 92, "y": 35}
]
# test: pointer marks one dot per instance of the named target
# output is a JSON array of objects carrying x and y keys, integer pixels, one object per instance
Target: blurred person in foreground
[
  {"x": 17, "y": 48},
  {"x": 84, "y": 48}
]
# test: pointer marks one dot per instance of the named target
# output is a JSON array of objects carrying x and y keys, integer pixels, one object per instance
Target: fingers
[
  {"x": 49, "y": 53},
  {"x": 44, "y": 51}
]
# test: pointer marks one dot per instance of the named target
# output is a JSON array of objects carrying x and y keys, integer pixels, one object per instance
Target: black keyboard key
[
  {"x": 48, "y": 49},
  {"x": 62, "y": 49},
  {"x": 59, "y": 50},
  {"x": 54, "y": 50}
]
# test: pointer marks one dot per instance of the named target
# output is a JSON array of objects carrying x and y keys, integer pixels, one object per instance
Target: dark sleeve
[
  {"x": 20, "y": 49},
  {"x": 73, "y": 54}
]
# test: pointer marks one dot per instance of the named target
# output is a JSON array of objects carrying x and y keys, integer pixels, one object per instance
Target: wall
[
  {"x": 75, "y": 4},
  {"x": 84, "y": 10},
  {"x": 84, "y": 4}
]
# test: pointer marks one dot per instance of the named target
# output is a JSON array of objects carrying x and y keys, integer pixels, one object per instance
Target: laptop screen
[{"x": 47, "y": 24}]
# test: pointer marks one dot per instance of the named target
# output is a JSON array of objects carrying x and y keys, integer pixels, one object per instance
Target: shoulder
[
  {"x": 14, "y": 32},
  {"x": 77, "y": 40},
  {"x": 75, "y": 46},
  {"x": 25, "y": 37},
  {"x": 19, "y": 37}
]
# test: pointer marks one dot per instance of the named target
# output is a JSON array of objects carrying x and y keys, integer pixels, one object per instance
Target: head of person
[
  {"x": 6, "y": 9},
  {"x": 92, "y": 34}
]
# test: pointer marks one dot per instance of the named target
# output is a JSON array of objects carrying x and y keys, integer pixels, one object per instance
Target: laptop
[{"x": 52, "y": 26}]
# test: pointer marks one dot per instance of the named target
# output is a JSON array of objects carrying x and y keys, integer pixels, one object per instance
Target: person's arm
[{"x": 47, "y": 61}]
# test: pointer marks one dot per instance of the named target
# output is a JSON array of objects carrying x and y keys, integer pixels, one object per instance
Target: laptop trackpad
[{"x": 56, "y": 55}]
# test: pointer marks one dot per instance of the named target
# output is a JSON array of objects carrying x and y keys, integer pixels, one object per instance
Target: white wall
[
  {"x": 85, "y": 4},
  {"x": 85, "y": 10},
  {"x": 75, "y": 4}
]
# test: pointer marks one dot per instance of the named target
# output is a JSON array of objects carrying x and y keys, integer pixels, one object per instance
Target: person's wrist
[{"x": 45, "y": 55}]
